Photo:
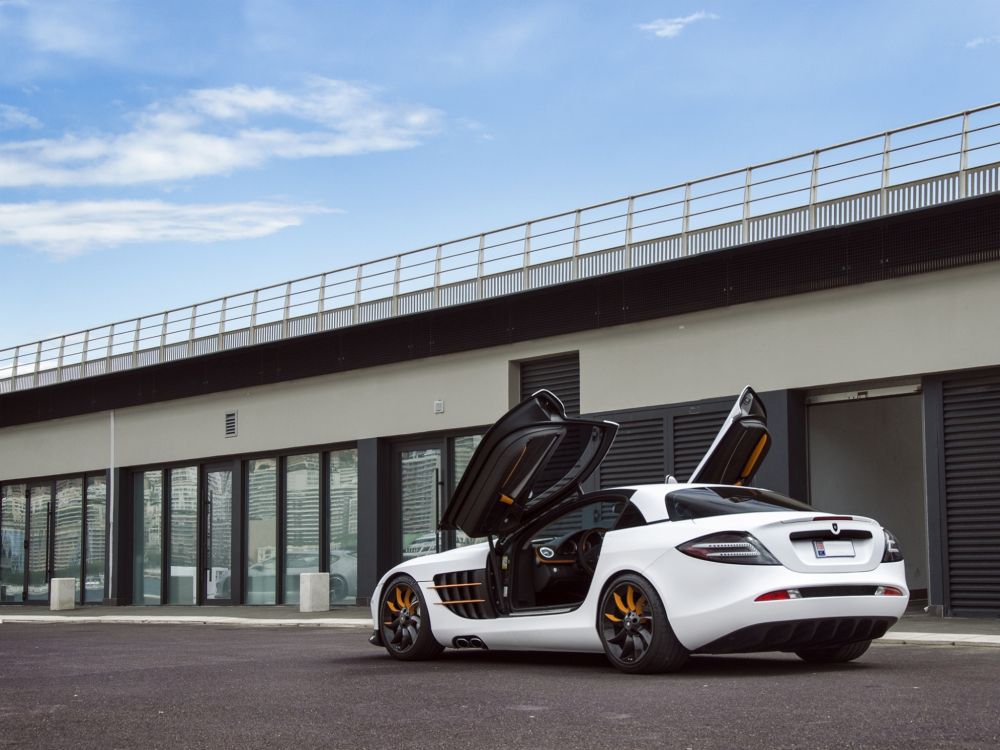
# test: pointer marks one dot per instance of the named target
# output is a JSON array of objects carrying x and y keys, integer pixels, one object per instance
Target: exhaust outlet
[
  {"x": 461, "y": 643},
  {"x": 477, "y": 642}
]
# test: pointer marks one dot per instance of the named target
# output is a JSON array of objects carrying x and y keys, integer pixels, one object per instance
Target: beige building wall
[{"x": 934, "y": 322}]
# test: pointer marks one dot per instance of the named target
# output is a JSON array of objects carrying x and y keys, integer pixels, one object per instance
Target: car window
[
  {"x": 604, "y": 514},
  {"x": 704, "y": 502}
]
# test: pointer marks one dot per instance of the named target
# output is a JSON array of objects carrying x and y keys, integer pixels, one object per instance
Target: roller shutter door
[
  {"x": 638, "y": 455},
  {"x": 559, "y": 374},
  {"x": 971, "y": 463},
  {"x": 692, "y": 437}
]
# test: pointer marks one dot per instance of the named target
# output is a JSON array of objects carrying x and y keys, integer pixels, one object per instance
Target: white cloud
[
  {"x": 979, "y": 41},
  {"x": 65, "y": 229},
  {"x": 668, "y": 28},
  {"x": 217, "y": 131},
  {"x": 12, "y": 118}
]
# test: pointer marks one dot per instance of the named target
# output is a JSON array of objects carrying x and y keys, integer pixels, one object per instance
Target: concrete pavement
[{"x": 914, "y": 628}]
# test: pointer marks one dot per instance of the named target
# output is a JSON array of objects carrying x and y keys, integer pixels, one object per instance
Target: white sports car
[{"x": 647, "y": 574}]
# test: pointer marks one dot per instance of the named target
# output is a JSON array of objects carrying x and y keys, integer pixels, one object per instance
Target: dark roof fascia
[{"x": 926, "y": 240}]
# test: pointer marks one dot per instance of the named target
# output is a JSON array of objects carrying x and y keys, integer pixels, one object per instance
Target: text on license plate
[{"x": 834, "y": 549}]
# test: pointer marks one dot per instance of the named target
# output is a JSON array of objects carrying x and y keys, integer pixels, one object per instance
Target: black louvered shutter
[
  {"x": 693, "y": 434},
  {"x": 972, "y": 493},
  {"x": 638, "y": 454},
  {"x": 559, "y": 374}
]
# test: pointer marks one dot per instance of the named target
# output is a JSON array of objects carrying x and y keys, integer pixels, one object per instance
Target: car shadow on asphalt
[{"x": 740, "y": 665}]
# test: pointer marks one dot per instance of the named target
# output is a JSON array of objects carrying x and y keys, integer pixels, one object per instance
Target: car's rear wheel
[
  {"x": 834, "y": 654},
  {"x": 405, "y": 622},
  {"x": 634, "y": 629}
]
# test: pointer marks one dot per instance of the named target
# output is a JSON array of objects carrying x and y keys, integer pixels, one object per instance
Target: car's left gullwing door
[
  {"x": 532, "y": 458},
  {"x": 740, "y": 447}
]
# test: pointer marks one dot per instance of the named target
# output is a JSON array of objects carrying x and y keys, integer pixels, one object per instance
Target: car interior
[{"x": 552, "y": 564}]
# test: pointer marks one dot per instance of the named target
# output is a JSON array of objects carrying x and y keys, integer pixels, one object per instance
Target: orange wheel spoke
[
  {"x": 621, "y": 605},
  {"x": 630, "y": 597},
  {"x": 612, "y": 617},
  {"x": 640, "y": 605},
  {"x": 399, "y": 597},
  {"x": 392, "y": 608}
]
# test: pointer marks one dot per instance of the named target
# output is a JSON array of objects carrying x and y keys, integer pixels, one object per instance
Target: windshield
[{"x": 703, "y": 502}]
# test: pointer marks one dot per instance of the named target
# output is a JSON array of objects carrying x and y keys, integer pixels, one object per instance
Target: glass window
[
  {"x": 12, "y": 522},
  {"x": 262, "y": 530},
  {"x": 462, "y": 450},
  {"x": 419, "y": 482},
  {"x": 703, "y": 502},
  {"x": 343, "y": 484},
  {"x": 39, "y": 506},
  {"x": 66, "y": 553},
  {"x": 183, "y": 535},
  {"x": 97, "y": 536},
  {"x": 301, "y": 521},
  {"x": 219, "y": 515},
  {"x": 148, "y": 537}
]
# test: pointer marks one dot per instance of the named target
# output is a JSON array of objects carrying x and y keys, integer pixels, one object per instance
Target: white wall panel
[{"x": 930, "y": 323}]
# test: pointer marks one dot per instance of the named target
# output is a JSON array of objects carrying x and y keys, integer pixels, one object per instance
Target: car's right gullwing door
[{"x": 740, "y": 447}]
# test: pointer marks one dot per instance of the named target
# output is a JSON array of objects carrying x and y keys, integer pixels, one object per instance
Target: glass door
[
  {"x": 419, "y": 472},
  {"x": 218, "y": 557},
  {"x": 39, "y": 521},
  {"x": 13, "y": 517}
]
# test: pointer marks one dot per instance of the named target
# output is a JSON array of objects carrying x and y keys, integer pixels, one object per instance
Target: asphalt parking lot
[{"x": 128, "y": 686}]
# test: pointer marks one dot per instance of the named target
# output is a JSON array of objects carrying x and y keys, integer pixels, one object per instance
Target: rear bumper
[{"x": 792, "y": 635}]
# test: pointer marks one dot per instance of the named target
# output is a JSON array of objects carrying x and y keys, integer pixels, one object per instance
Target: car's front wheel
[
  {"x": 834, "y": 654},
  {"x": 405, "y": 622},
  {"x": 634, "y": 629}
]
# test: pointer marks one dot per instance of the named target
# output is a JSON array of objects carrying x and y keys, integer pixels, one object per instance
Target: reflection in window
[
  {"x": 343, "y": 484},
  {"x": 12, "y": 522},
  {"x": 149, "y": 537},
  {"x": 419, "y": 476},
  {"x": 97, "y": 535},
  {"x": 39, "y": 504},
  {"x": 219, "y": 484},
  {"x": 462, "y": 450},
  {"x": 262, "y": 530},
  {"x": 184, "y": 535},
  {"x": 301, "y": 521},
  {"x": 68, "y": 531}
]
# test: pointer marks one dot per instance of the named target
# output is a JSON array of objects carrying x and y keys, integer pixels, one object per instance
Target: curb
[
  {"x": 941, "y": 639},
  {"x": 326, "y": 622}
]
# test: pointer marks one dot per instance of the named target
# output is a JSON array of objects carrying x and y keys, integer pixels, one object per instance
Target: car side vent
[
  {"x": 231, "y": 424},
  {"x": 465, "y": 593}
]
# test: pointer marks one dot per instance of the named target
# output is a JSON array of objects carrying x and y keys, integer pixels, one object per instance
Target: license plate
[{"x": 834, "y": 549}]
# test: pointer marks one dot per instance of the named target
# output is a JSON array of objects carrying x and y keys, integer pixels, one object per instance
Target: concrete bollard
[
  {"x": 314, "y": 592},
  {"x": 62, "y": 594}
]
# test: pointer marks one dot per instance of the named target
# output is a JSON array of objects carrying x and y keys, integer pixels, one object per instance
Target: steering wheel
[{"x": 588, "y": 549}]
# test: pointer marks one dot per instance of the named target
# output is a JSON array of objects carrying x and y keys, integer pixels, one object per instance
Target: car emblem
[
  {"x": 547, "y": 552},
  {"x": 836, "y": 529}
]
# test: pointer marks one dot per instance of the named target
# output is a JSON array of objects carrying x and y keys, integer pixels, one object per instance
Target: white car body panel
[{"x": 705, "y": 600}]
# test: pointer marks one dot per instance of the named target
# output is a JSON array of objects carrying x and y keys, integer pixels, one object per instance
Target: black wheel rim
[
  {"x": 401, "y": 616},
  {"x": 626, "y": 623}
]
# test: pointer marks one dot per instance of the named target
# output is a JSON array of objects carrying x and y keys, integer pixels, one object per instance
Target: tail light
[
  {"x": 736, "y": 547},
  {"x": 892, "y": 552},
  {"x": 888, "y": 591}
]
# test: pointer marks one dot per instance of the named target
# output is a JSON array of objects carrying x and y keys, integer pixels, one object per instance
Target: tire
[
  {"x": 405, "y": 624},
  {"x": 634, "y": 629},
  {"x": 834, "y": 654},
  {"x": 339, "y": 588}
]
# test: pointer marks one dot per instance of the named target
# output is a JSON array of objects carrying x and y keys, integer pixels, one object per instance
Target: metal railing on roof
[{"x": 928, "y": 163}]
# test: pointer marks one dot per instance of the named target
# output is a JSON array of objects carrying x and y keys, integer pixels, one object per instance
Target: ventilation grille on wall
[{"x": 231, "y": 424}]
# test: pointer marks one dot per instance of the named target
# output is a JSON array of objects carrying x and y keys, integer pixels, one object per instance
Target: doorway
[
  {"x": 425, "y": 473},
  {"x": 866, "y": 457}
]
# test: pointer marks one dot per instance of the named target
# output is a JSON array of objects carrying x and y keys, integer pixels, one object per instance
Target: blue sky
[{"x": 156, "y": 154}]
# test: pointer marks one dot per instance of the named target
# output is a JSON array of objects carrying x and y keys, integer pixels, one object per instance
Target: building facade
[{"x": 218, "y": 475}]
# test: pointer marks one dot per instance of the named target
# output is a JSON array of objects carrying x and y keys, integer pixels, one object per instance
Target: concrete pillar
[
  {"x": 62, "y": 593},
  {"x": 314, "y": 592}
]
